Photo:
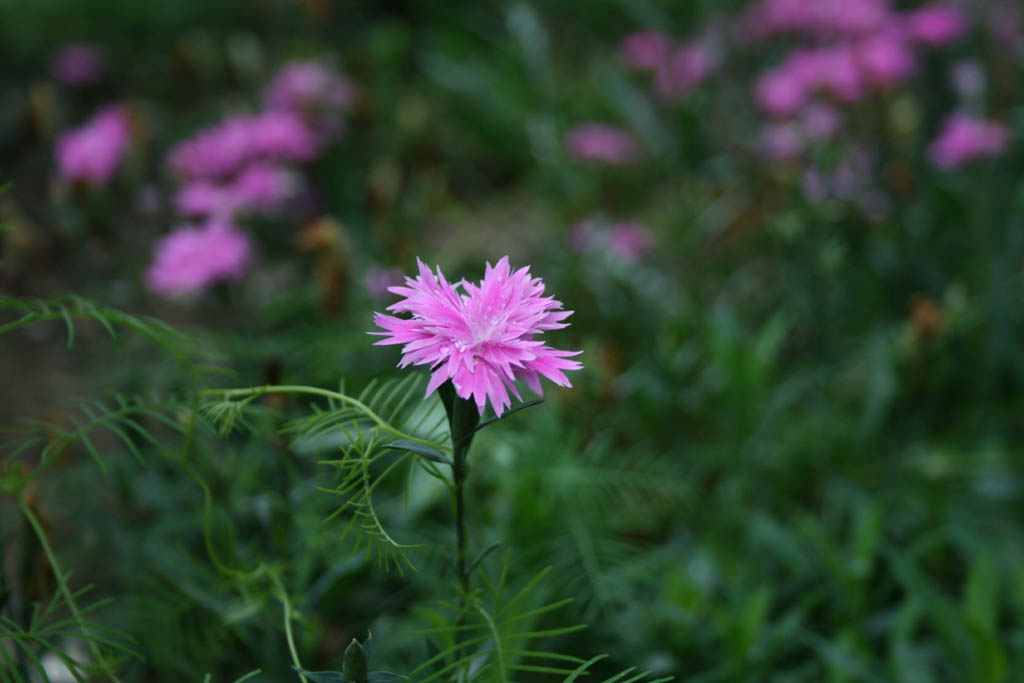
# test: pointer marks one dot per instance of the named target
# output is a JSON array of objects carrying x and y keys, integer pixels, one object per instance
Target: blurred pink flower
[
  {"x": 481, "y": 339},
  {"x": 934, "y": 25},
  {"x": 646, "y": 49},
  {"x": 222, "y": 149},
  {"x": 885, "y": 59},
  {"x": 91, "y": 153},
  {"x": 780, "y": 93},
  {"x": 263, "y": 186},
  {"x": 379, "y": 281},
  {"x": 840, "y": 74},
  {"x": 685, "y": 68},
  {"x": 629, "y": 241},
  {"x": 302, "y": 86},
  {"x": 597, "y": 142},
  {"x": 816, "y": 18},
  {"x": 258, "y": 187},
  {"x": 780, "y": 141},
  {"x": 283, "y": 135},
  {"x": 190, "y": 258},
  {"x": 77, "y": 64},
  {"x": 963, "y": 138},
  {"x": 203, "y": 197}
]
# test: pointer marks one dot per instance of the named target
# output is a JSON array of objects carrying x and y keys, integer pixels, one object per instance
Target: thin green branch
[
  {"x": 254, "y": 392},
  {"x": 286, "y": 605},
  {"x": 62, "y": 586}
]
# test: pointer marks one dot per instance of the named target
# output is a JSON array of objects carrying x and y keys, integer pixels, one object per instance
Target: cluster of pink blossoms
[
  {"x": 860, "y": 47},
  {"x": 677, "y": 69},
  {"x": 482, "y": 338},
  {"x": 963, "y": 138},
  {"x": 243, "y": 165},
  {"x": 91, "y": 153},
  {"x": 191, "y": 257},
  {"x": 601, "y": 143}
]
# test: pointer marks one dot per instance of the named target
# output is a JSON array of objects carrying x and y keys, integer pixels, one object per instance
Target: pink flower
[
  {"x": 934, "y": 25},
  {"x": 91, "y": 153},
  {"x": 260, "y": 186},
  {"x": 222, "y": 149},
  {"x": 885, "y": 59},
  {"x": 646, "y": 49},
  {"x": 189, "y": 259},
  {"x": 203, "y": 198},
  {"x": 77, "y": 64},
  {"x": 684, "y": 69},
  {"x": 816, "y": 18},
  {"x": 629, "y": 241},
  {"x": 263, "y": 187},
  {"x": 301, "y": 86},
  {"x": 781, "y": 93},
  {"x": 481, "y": 339},
  {"x": 597, "y": 142},
  {"x": 283, "y": 135},
  {"x": 963, "y": 138},
  {"x": 840, "y": 74}
]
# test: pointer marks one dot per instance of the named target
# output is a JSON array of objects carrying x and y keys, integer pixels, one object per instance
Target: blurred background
[{"x": 792, "y": 233}]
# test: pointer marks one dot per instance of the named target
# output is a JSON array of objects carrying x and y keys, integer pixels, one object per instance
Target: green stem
[
  {"x": 459, "y": 474},
  {"x": 62, "y": 586},
  {"x": 286, "y": 605}
]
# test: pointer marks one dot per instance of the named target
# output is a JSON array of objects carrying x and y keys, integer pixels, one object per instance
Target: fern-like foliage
[
  {"x": 131, "y": 421},
  {"x": 492, "y": 635},
  {"x": 385, "y": 429},
  {"x": 23, "y": 650},
  {"x": 630, "y": 675},
  {"x": 71, "y": 308}
]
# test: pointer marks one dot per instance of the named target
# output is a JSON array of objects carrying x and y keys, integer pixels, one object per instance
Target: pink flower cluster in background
[
  {"x": 677, "y": 69},
  {"x": 91, "y": 153},
  {"x": 858, "y": 47},
  {"x": 964, "y": 138},
  {"x": 246, "y": 164},
  {"x": 482, "y": 338},
  {"x": 261, "y": 186},
  {"x": 624, "y": 241},
  {"x": 190, "y": 258},
  {"x": 598, "y": 142},
  {"x": 77, "y": 64},
  {"x": 319, "y": 94},
  {"x": 223, "y": 149},
  {"x": 817, "y": 18}
]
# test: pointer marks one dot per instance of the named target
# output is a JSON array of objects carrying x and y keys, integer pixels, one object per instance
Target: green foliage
[
  {"x": 793, "y": 454},
  {"x": 48, "y": 633},
  {"x": 69, "y": 308}
]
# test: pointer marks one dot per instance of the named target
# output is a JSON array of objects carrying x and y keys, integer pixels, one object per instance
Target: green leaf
[
  {"x": 322, "y": 676},
  {"x": 353, "y": 667},
  {"x": 385, "y": 677},
  {"x": 419, "y": 449}
]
